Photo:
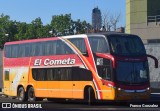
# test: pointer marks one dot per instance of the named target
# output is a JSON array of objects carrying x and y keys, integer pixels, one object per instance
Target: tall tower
[{"x": 96, "y": 18}]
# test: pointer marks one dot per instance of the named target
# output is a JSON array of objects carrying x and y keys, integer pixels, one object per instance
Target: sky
[{"x": 28, "y": 10}]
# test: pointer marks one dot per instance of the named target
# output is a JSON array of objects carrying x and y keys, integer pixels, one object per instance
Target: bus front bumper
[{"x": 132, "y": 95}]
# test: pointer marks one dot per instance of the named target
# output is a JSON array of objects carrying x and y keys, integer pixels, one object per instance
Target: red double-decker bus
[{"x": 109, "y": 66}]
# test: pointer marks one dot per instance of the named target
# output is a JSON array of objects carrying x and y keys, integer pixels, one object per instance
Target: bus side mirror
[{"x": 155, "y": 60}]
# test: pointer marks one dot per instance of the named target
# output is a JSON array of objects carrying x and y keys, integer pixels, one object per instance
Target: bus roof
[
  {"x": 40, "y": 39},
  {"x": 69, "y": 36},
  {"x": 109, "y": 33}
]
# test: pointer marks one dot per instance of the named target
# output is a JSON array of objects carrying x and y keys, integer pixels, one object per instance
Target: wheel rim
[{"x": 20, "y": 95}]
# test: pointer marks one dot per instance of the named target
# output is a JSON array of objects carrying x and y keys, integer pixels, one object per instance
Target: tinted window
[
  {"x": 21, "y": 52},
  {"x": 80, "y": 74},
  {"x": 36, "y": 49},
  {"x": 50, "y": 48},
  {"x": 62, "y": 48},
  {"x": 27, "y": 50},
  {"x": 126, "y": 45},
  {"x": 14, "y": 51},
  {"x": 56, "y": 47},
  {"x": 98, "y": 44},
  {"x": 79, "y": 43},
  {"x": 7, "y": 51},
  {"x": 132, "y": 72},
  {"x": 61, "y": 74},
  {"x": 105, "y": 70}
]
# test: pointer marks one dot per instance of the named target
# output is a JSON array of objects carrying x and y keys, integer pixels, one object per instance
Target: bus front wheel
[
  {"x": 89, "y": 95},
  {"x": 21, "y": 94}
]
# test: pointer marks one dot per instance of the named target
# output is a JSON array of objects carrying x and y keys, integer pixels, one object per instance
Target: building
[
  {"x": 143, "y": 19},
  {"x": 96, "y": 19}
]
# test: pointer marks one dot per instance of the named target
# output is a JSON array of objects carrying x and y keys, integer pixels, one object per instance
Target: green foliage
[{"x": 60, "y": 25}]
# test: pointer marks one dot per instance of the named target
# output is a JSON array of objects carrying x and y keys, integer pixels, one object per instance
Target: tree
[
  {"x": 7, "y": 29},
  {"x": 21, "y": 31},
  {"x": 81, "y": 27},
  {"x": 106, "y": 21},
  {"x": 110, "y": 20},
  {"x": 61, "y": 24}
]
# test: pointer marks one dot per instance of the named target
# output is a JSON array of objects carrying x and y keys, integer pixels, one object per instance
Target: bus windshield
[
  {"x": 98, "y": 44},
  {"x": 132, "y": 73},
  {"x": 126, "y": 45}
]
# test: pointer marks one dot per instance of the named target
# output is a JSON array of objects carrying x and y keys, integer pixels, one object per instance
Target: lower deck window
[{"x": 61, "y": 74}]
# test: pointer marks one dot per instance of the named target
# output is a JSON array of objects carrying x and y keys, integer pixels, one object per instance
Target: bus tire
[
  {"x": 89, "y": 95},
  {"x": 31, "y": 95},
  {"x": 22, "y": 96}
]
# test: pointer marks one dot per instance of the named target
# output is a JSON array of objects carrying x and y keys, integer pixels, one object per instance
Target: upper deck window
[
  {"x": 98, "y": 44},
  {"x": 79, "y": 43},
  {"x": 56, "y": 47},
  {"x": 126, "y": 45}
]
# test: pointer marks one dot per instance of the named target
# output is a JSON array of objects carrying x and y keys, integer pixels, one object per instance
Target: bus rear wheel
[
  {"x": 89, "y": 95},
  {"x": 21, "y": 94},
  {"x": 31, "y": 95}
]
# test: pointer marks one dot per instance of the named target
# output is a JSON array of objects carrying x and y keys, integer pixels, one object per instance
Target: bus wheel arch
[
  {"x": 89, "y": 94},
  {"x": 21, "y": 94}
]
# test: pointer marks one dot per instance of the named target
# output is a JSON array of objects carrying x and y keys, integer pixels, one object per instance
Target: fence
[{"x": 155, "y": 18}]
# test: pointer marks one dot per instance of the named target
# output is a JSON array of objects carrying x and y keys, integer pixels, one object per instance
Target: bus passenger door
[{"x": 105, "y": 72}]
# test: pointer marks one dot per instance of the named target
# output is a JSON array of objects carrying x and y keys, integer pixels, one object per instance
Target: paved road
[{"x": 80, "y": 105}]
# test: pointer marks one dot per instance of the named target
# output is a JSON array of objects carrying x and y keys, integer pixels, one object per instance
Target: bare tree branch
[
  {"x": 114, "y": 19},
  {"x": 106, "y": 21}
]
